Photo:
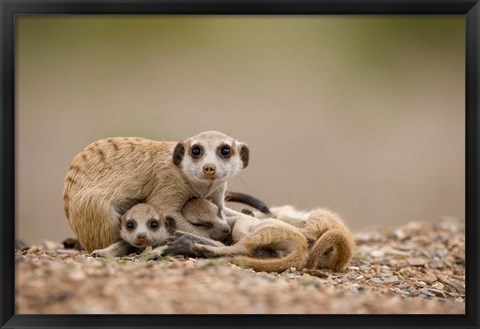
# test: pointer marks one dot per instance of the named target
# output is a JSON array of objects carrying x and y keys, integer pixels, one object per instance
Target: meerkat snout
[
  {"x": 209, "y": 169},
  {"x": 220, "y": 233},
  {"x": 141, "y": 239}
]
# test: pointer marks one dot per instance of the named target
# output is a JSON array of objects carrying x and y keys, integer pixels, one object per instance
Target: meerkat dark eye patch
[
  {"x": 153, "y": 224},
  {"x": 131, "y": 224},
  {"x": 178, "y": 154},
  {"x": 170, "y": 224},
  {"x": 225, "y": 151},
  {"x": 196, "y": 151}
]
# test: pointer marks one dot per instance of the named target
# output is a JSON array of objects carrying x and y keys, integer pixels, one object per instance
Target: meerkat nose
[{"x": 209, "y": 169}]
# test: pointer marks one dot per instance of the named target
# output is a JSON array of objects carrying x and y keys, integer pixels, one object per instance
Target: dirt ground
[{"x": 416, "y": 268}]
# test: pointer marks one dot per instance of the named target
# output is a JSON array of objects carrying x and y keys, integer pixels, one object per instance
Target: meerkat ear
[
  {"x": 178, "y": 154},
  {"x": 244, "y": 154},
  {"x": 170, "y": 224},
  {"x": 122, "y": 218}
]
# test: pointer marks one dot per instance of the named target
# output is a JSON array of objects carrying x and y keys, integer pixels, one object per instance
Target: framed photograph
[{"x": 299, "y": 164}]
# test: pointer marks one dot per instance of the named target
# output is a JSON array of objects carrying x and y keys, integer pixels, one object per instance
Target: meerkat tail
[
  {"x": 334, "y": 249},
  {"x": 281, "y": 237},
  {"x": 297, "y": 258},
  {"x": 248, "y": 200}
]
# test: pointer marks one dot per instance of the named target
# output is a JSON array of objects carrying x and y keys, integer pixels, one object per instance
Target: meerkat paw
[
  {"x": 156, "y": 254},
  {"x": 153, "y": 256},
  {"x": 181, "y": 246},
  {"x": 101, "y": 253},
  {"x": 205, "y": 251}
]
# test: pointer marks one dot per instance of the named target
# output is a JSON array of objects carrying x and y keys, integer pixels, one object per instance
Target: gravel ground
[{"x": 416, "y": 268}]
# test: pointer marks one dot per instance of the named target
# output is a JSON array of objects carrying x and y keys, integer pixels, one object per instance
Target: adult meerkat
[
  {"x": 141, "y": 226},
  {"x": 111, "y": 175},
  {"x": 250, "y": 235},
  {"x": 331, "y": 243}
]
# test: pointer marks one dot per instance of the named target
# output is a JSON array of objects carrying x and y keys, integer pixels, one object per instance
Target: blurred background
[{"x": 360, "y": 114}]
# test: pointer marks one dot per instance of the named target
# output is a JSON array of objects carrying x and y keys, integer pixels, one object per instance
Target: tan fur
[
  {"x": 111, "y": 175},
  {"x": 250, "y": 233},
  {"x": 332, "y": 244}
]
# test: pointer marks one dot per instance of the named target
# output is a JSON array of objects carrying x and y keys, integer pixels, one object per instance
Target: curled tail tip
[{"x": 341, "y": 245}]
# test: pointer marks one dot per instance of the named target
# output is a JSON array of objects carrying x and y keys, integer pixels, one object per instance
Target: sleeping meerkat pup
[
  {"x": 331, "y": 243},
  {"x": 111, "y": 175},
  {"x": 251, "y": 236},
  {"x": 141, "y": 226},
  {"x": 204, "y": 213}
]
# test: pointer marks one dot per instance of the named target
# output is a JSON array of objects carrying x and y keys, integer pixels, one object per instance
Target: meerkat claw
[
  {"x": 99, "y": 254},
  {"x": 154, "y": 256},
  {"x": 204, "y": 250}
]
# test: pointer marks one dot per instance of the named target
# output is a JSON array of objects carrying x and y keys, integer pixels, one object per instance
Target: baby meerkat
[
  {"x": 111, "y": 175},
  {"x": 141, "y": 226},
  {"x": 286, "y": 245},
  {"x": 331, "y": 243},
  {"x": 251, "y": 237}
]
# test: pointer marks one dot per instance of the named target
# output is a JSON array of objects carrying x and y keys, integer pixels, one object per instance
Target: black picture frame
[{"x": 11, "y": 8}]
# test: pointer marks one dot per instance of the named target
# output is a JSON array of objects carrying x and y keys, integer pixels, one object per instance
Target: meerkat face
[
  {"x": 144, "y": 225},
  {"x": 210, "y": 157},
  {"x": 204, "y": 213}
]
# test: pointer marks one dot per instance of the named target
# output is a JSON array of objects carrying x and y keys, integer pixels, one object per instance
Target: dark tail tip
[{"x": 248, "y": 200}]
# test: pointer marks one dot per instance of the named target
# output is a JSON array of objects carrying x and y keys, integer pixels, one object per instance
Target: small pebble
[
  {"x": 416, "y": 261},
  {"x": 391, "y": 279},
  {"x": 426, "y": 292},
  {"x": 436, "y": 263},
  {"x": 438, "y": 286},
  {"x": 376, "y": 280}
]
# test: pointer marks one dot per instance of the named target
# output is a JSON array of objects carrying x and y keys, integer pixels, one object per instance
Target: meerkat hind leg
[
  {"x": 181, "y": 243},
  {"x": 211, "y": 251}
]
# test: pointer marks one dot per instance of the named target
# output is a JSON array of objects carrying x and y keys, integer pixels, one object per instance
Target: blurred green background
[{"x": 360, "y": 114}]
